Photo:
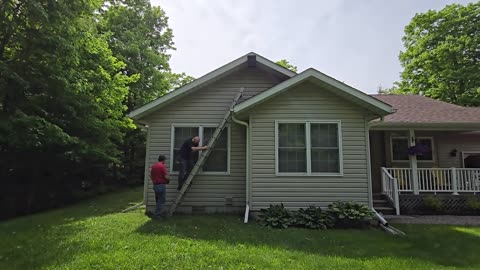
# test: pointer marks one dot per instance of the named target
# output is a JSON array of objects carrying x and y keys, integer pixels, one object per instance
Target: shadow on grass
[
  {"x": 45, "y": 239},
  {"x": 437, "y": 244}
]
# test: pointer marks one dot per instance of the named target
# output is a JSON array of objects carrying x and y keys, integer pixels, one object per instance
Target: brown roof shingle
[{"x": 420, "y": 109}]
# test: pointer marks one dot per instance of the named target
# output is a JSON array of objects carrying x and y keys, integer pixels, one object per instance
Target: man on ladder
[{"x": 189, "y": 147}]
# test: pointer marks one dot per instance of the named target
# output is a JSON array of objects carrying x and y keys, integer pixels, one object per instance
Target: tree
[
  {"x": 62, "y": 98},
  {"x": 392, "y": 90},
  {"x": 442, "y": 55},
  {"x": 284, "y": 63},
  {"x": 140, "y": 37},
  {"x": 178, "y": 80}
]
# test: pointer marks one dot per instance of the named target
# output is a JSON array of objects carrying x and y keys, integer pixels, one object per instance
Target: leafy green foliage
[
  {"x": 432, "y": 203},
  {"x": 139, "y": 35},
  {"x": 392, "y": 90},
  {"x": 276, "y": 216},
  {"x": 284, "y": 63},
  {"x": 178, "y": 80},
  {"x": 349, "y": 214},
  {"x": 473, "y": 203},
  {"x": 339, "y": 214},
  {"x": 313, "y": 218},
  {"x": 441, "y": 56},
  {"x": 70, "y": 71}
]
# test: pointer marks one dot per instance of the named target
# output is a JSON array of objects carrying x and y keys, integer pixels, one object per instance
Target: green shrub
[
  {"x": 276, "y": 216},
  {"x": 432, "y": 203},
  {"x": 349, "y": 214},
  {"x": 473, "y": 203},
  {"x": 313, "y": 218}
]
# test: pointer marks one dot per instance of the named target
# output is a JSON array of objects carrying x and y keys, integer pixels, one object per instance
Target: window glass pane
[
  {"x": 324, "y": 135},
  {"x": 181, "y": 134},
  {"x": 218, "y": 159},
  {"x": 325, "y": 160},
  {"x": 427, "y": 143},
  {"x": 291, "y": 135},
  {"x": 400, "y": 148},
  {"x": 292, "y": 147},
  {"x": 292, "y": 160}
]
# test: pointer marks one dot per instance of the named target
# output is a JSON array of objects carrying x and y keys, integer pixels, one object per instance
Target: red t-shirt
[{"x": 158, "y": 173}]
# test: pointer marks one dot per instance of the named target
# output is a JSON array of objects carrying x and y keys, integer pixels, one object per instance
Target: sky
[{"x": 357, "y": 42}]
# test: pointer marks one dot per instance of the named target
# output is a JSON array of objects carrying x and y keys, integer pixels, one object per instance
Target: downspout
[
  {"x": 247, "y": 166},
  {"x": 369, "y": 165}
]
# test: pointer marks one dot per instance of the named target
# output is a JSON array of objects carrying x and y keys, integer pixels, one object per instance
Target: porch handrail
[
  {"x": 390, "y": 189},
  {"x": 436, "y": 180}
]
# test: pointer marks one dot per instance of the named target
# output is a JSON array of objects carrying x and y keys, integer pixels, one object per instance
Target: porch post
[
  {"x": 412, "y": 160},
  {"x": 454, "y": 181}
]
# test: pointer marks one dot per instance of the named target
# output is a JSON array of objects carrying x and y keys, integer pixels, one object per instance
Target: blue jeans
[
  {"x": 160, "y": 194},
  {"x": 186, "y": 166}
]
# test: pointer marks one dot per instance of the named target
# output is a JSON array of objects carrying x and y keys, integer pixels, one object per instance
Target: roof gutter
[
  {"x": 379, "y": 125},
  {"x": 247, "y": 166}
]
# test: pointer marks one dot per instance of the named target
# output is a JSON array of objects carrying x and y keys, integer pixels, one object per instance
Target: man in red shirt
[{"x": 159, "y": 177}]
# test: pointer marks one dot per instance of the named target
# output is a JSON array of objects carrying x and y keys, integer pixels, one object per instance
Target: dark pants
[
  {"x": 160, "y": 194},
  {"x": 186, "y": 166}
]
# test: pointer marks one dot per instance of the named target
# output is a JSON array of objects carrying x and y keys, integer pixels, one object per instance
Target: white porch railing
[
  {"x": 390, "y": 189},
  {"x": 435, "y": 180}
]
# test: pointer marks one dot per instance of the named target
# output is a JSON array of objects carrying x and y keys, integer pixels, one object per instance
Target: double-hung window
[
  {"x": 308, "y": 148},
  {"x": 218, "y": 160}
]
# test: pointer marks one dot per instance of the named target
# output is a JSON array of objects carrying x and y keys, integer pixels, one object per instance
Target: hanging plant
[{"x": 418, "y": 150}]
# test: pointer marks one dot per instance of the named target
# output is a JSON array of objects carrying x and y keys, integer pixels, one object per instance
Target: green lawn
[{"x": 94, "y": 235}]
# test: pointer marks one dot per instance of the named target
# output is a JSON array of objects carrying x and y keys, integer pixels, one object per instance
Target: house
[{"x": 307, "y": 139}]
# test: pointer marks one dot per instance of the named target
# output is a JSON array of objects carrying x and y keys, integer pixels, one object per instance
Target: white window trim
[
  {"x": 200, "y": 126},
  {"x": 309, "y": 148},
  {"x": 406, "y": 138},
  {"x": 467, "y": 153}
]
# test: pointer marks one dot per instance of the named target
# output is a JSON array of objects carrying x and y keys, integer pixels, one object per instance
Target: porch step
[
  {"x": 381, "y": 203},
  {"x": 379, "y": 196},
  {"x": 385, "y": 210}
]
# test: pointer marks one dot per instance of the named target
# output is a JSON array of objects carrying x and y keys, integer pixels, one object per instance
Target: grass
[{"x": 95, "y": 235}]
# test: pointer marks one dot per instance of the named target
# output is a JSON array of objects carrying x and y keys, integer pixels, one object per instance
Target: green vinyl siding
[
  {"x": 206, "y": 107},
  {"x": 309, "y": 102}
]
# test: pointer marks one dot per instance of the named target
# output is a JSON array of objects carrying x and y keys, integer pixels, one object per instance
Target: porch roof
[{"x": 416, "y": 110}]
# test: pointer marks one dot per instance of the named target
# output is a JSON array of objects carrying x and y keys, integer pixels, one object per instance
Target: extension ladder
[{"x": 204, "y": 155}]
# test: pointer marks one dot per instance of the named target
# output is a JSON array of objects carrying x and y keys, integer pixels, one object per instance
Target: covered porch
[
  {"x": 409, "y": 162},
  {"x": 426, "y": 147}
]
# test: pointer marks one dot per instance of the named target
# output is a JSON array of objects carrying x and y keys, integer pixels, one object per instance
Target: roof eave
[{"x": 426, "y": 126}]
